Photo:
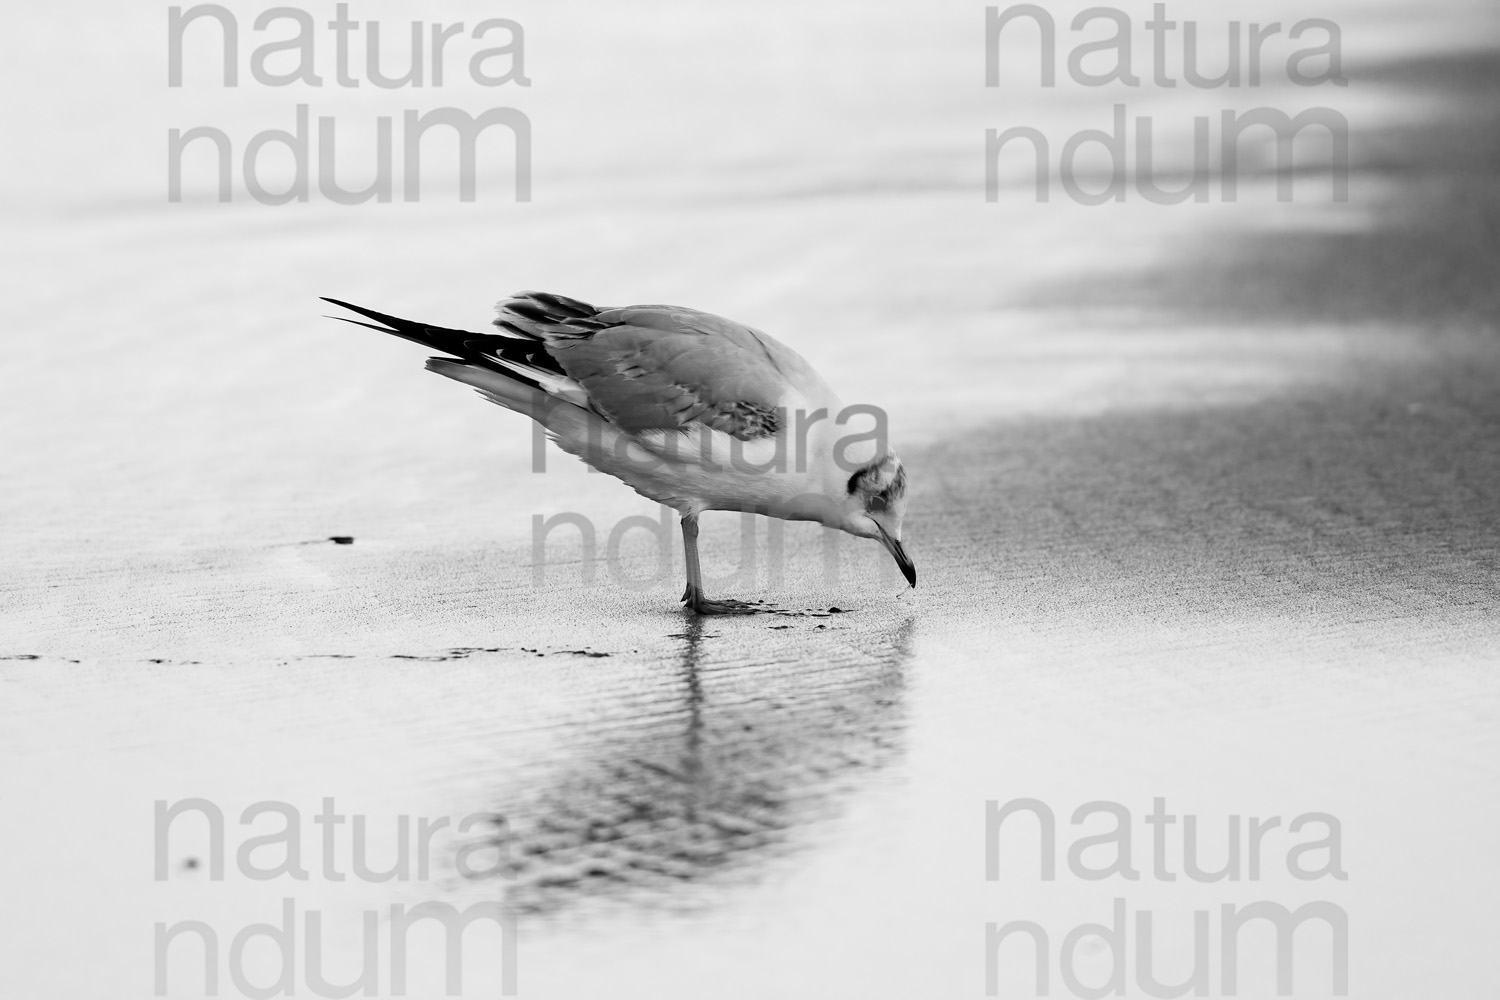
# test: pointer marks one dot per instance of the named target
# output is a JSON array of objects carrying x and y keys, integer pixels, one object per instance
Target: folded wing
[
  {"x": 653, "y": 367},
  {"x": 643, "y": 368}
]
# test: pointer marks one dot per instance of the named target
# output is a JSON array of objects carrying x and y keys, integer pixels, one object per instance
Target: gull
[{"x": 689, "y": 409}]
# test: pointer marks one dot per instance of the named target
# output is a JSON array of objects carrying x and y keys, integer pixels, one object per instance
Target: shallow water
[{"x": 1203, "y": 509}]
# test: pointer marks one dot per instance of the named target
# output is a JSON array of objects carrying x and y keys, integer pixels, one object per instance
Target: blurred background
[{"x": 1204, "y": 493}]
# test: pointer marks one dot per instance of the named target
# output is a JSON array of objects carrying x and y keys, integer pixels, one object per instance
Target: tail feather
[{"x": 497, "y": 387}]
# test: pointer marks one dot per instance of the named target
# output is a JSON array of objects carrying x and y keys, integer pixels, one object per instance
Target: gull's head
[{"x": 873, "y": 505}]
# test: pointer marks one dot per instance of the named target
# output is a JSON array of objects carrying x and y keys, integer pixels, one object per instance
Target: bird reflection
[{"x": 707, "y": 788}]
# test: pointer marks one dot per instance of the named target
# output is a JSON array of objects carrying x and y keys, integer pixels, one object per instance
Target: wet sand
[{"x": 1204, "y": 509}]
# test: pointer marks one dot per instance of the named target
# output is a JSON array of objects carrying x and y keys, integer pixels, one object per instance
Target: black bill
[{"x": 898, "y": 551}]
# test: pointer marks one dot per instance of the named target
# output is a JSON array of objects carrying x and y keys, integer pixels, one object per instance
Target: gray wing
[{"x": 663, "y": 367}]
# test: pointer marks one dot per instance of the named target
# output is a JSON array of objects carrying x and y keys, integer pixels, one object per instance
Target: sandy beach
[{"x": 1206, "y": 509}]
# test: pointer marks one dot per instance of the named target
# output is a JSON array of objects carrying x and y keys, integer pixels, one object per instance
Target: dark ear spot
[{"x": 861, "y": 477}]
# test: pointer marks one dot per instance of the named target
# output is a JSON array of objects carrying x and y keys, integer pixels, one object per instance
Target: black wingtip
[
  {"x": 420, "y": 333},
  {"x": 367, "y": 326},
  {"x": 394, "y": 322},
  {"x": 405, "y": 329}
]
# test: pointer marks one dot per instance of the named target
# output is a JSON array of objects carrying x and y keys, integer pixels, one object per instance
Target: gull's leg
[
  {"x": 690, "y": 552},
  {"x": 693, "y": 595}
]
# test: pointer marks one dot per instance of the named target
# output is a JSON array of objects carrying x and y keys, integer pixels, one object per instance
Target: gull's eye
[{"x": 877, "y": 502}]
